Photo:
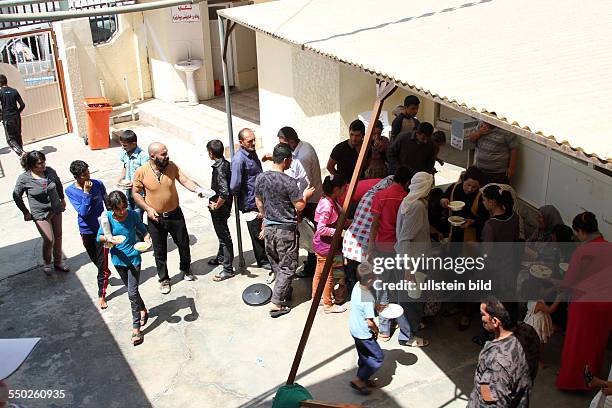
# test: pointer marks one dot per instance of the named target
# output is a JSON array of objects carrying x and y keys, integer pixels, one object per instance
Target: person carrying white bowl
[{"x": 123, "y": 224}]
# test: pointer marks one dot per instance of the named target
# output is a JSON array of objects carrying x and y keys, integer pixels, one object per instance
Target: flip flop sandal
[
  {"x": 214, "y": 262},
  {"x": 334, "y": 309},
  {"x": 382, "y": 337},
  {"x": 137, "y": 339},
  {"x": 371, "y": 383},
  {"x": 62, "y": 267},
  {"x": 415, "y": 342},
  {"x": 362, "y": 390},
  {"x": 144, "y": 319},
  {"x": 48, "y": 270},
  {"x": 222, "y": 276},
  {"x": 278, "y": 313}
]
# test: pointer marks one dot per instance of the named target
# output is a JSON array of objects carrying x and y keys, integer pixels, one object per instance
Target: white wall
[
  {"x": 77, "y": 53},
  {"x": 125, "y": 54},
  {"x": 168, "y": 43},
  {"x": 316, "y": 96}
]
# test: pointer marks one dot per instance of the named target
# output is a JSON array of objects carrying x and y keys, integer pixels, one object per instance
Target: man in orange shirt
[{"x": 157, "y": 178}]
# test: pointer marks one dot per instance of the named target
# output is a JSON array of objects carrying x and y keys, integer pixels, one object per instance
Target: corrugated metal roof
[{"x": 543, "y": 66}]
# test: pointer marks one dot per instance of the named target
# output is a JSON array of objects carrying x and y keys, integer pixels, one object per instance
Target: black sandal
[
  {"x": 223, "y": 276},
  {"x": 137, "y": 339},
  {"x": 282, "y": 311},
  {"x": 362, "y": 390},
  {"x": 214, "y": 262}
]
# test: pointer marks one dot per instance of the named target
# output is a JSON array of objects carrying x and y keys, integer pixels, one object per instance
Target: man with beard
[
  {"x": 157, "y": 179},
  {"x": 245, "y": 169}
]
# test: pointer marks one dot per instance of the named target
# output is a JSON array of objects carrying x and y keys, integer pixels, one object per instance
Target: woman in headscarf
[
  {"x": 413, "y": 239},
  {"x": 548, "y": 217}
]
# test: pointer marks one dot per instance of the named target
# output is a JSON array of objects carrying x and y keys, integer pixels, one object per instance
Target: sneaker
[
  {"x": 164, "y": 287},
  {"x": 188, "y": 276},
  {"x": 266, "y": 267}
]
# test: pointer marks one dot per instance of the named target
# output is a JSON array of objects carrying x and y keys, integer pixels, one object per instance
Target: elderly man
[
  {"x": 306, "y": 170},
  {"x": 158, "y": 179},
  {"x": 245, "y": 169},
  {"x": 496, "y": 153},
  {"x": 507, "y": 365}
]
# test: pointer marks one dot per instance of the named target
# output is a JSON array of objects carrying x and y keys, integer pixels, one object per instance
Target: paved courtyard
[{"x": 203, "y": 346}]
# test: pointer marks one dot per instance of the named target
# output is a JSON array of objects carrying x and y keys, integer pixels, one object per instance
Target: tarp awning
[{"x": 543, "y": 66}]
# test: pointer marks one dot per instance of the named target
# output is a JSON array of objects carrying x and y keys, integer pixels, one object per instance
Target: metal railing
[
  {"x": 31, "y": 54},
  {"x": 102, "y": 27}
]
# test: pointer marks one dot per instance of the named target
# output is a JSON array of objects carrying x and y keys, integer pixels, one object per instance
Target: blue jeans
[
  {"x": 408, "y": 322},
  {"x": 370, "y": 357}
]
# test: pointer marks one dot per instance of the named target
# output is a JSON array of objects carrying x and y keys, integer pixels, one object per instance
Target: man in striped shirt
[{"x": 496, "y": 153}]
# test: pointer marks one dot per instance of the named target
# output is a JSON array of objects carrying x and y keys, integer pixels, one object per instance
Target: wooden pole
[{"x": 383, "y": 91}]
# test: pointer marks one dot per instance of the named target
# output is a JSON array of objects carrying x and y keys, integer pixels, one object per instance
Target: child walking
[
  {"x": 220, "y": 206},
  {"x": 126, "y": 258},
  {"x": 364, "y": 331},
  {"x": 326, "y": 217}
]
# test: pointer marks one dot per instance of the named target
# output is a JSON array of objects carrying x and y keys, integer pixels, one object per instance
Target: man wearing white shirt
[{"x": 306, "y": 170}]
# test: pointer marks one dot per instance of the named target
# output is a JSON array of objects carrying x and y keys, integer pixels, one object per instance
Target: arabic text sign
[{"x": 186, "y": 14}]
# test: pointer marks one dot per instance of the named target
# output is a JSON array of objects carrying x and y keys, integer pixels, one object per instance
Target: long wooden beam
[{"x": 383, "y": 91}]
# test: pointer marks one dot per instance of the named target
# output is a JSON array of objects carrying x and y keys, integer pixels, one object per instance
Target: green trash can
[{"x": 290, "y": 396}]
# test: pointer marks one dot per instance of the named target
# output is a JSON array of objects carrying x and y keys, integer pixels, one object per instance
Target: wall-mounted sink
[{"x": 189, "y": 67}]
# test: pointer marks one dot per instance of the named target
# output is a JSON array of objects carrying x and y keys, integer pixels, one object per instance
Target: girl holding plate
[{"x": 125, "y": 254}]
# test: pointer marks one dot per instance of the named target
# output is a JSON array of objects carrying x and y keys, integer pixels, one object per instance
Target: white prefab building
[{"x": 543, "y": 67}]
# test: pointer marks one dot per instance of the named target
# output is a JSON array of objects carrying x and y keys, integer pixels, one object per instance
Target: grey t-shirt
[
  {"x": 493, "y": 151},
  {"x": 45, "y": 194},
  {"x": 278, "y": 191}
]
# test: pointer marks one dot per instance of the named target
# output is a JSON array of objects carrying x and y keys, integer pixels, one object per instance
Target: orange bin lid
[{"x": 97, "y": 103}]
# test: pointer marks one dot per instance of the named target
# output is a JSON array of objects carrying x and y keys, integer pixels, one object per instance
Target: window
[{"x": 102, "y": 28}]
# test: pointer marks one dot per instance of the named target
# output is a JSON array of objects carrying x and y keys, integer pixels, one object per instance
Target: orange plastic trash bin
[{"x": 98, "y": 122}]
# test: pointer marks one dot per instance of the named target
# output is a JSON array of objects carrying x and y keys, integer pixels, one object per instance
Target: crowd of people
[{"x": 395, "y": 209}]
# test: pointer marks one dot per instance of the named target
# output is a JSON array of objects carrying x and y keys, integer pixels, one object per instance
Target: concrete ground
[{"x": 203, "y": 346}]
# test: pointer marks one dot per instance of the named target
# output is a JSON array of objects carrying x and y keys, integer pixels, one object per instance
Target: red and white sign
[{"x": 186, "y": 13}]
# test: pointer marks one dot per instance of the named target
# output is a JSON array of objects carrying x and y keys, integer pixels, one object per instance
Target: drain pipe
[
  {"x": 129, "y": 95},
  {"x": 68, "y": 14},
  {"x": 230, "y": 128}
]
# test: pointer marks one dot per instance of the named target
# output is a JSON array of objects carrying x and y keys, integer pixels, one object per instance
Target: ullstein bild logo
[{"x": 423, "y": 263}]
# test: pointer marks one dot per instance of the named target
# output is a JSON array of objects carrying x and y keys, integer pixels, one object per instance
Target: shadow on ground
[
  {"x": 77, "y": 353},
  {"x": 327, "y": 390}
]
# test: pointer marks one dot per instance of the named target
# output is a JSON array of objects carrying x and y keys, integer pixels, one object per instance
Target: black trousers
[
  {"x": 99, "y": 256},
  {"x": 259, "y": 247},
  {"x": 131, "y": 278},
  {"x": 350, "y": 272},
  {"x": 225, "y": 253},
  {"x": 12, "y": 128},
  {"x": 174, "y": 225}
]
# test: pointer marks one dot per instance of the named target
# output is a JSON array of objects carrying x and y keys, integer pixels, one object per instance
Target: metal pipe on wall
[
  {"x": 230, "y": 132},
  {"x": 65, "y": 15}
]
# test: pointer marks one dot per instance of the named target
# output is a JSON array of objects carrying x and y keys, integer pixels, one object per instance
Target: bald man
[{"x": 157, "y": 178}]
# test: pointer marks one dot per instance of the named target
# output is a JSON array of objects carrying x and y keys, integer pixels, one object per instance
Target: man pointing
[{"x": 157, "y": 178}]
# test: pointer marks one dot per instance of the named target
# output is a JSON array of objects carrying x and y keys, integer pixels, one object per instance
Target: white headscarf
[{"x": 420, "y": 186}]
